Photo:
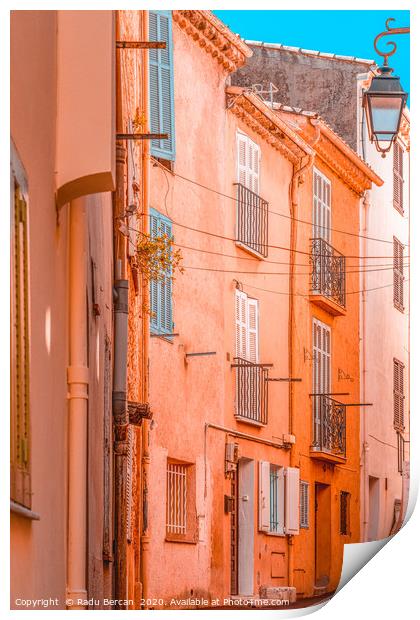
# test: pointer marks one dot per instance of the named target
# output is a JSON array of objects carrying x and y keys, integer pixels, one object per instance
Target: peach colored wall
[
  {"x": 186, "y": 395},
  {"x": 345, "y": 356},
  {"x": 385, "y": 222},
  {"x": 39, "y": 548}
]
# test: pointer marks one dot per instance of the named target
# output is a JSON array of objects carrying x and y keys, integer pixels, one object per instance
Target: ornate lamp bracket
[{"x": 389, "y": 32}]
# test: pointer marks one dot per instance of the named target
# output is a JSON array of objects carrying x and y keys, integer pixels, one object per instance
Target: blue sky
[{"x": 342, "y": 32}]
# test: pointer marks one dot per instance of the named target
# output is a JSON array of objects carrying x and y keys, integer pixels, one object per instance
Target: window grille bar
[
  {"x": 252, "y": 220},
  {"x": 329, "y": 426},
  {"x": 328, "y": 271},
  {"x": 251, "y": 390},
  {"x": 176, "y": 499}
]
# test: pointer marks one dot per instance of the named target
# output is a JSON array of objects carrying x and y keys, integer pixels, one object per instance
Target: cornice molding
[
  {"x": 214, "y": 37},
  {"x": 247, "y": 106}
]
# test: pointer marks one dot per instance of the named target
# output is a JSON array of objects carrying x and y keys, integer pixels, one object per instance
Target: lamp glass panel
[{"x": 385, "y": 116}]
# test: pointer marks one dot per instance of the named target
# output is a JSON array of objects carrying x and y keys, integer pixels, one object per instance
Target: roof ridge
[{"x": 315, "y": 53}]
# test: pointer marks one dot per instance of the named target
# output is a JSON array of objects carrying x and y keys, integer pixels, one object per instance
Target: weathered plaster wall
[{"x": 322, "y": 85}]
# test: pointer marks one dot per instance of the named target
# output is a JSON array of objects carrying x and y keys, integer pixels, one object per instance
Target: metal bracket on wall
[{"x": 141, "y": 45}]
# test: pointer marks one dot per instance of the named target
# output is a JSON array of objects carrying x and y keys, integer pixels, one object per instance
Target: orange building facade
[{"x": 211, "y": 413}]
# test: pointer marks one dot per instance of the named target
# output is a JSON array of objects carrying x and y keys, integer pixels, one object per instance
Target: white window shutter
[
  {"x": 242, "y": 159},
  {"x": 241, "y": 323},
  {"x": 252, "y": 330},
  {"x": 264, "y": 496},
  {"x": 321, "y": 217},
  {"x": 291, "y": 513},
  {"x": 254, "y": 167},
  {"x": 281, "y": 501}
]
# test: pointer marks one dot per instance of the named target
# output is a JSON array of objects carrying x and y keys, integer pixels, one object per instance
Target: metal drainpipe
[
  {"x": 78, "y": 381},
  {"x": 297, "y": 179},
  {"x": 119, "y": 394},
  {"x": 145, "y": 452},
  {"x": 120, "y": 419},
  {"x": 365, "y": 443}
]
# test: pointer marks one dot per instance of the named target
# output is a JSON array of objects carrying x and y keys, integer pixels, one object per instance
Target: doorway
[
  {"x": 373, "y": 508},
  {"x": 322, "y": 534},
  {"x": 242, "y": 529}
]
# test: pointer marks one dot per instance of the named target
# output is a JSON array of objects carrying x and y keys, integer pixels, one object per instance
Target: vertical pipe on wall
[
  {"x": 78, "y": 380},
  {"x": 145, "y": 454},
  {"x": 119, "y": 394},
  {"x": 364, "y": 429}
]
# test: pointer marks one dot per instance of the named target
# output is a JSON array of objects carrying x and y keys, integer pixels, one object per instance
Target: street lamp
[{"x": 385, "y": 100}]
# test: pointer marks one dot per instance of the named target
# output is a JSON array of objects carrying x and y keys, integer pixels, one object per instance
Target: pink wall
[{"x": 39, "y": 547}]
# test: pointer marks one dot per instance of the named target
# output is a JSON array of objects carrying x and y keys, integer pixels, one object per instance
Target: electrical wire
[
  {"x": 361, "y": 268},
  {"x": 156, "y": 163}
]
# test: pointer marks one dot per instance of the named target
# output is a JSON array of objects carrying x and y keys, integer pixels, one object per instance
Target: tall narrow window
[
  {"x": 321, "y": 375},
  {"x": 321, "y": 216},
  {"x": 161, "y": 289},
  {"x": 20, "y": 470},
  {"x": 304, "y": 504},
  {"x": 252, "y": 210},
  {"x": 398, "y": 275},
  {"x": 246, "y": 327},
  {"x": 398, "y": 395},
  {"x": 344, "y": 513},
  {"x": 398, "y": 179},
  {"x": 161, "y": 84}
]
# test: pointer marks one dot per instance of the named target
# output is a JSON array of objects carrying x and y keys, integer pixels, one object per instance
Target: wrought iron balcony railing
[
  {"x": 329, "y": 426},
  {"x": 251, "y": 390},
  {"x": 252, "y": 220},
  {"x": 328, "y": 272}
]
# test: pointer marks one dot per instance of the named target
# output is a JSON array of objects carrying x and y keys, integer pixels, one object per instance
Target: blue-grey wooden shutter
[
  {"x": 154, "y": 284},
  {"x": 161, "y": 84},
  {"x": 161, "y": 290}
]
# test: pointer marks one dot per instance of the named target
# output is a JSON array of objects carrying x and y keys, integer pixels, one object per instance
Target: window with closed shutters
[
  {"x": 252, "y": 210},
  {"x": 246, "y": 327},
  {"x": 398, "y": 179},
  {"x": 161, "y": 85},
  {"x": 321, "y": 372},
  {"x": 20, "y": 467},
  {"x": 398, "y": 395},
  {"x": 398, "y": 275},
  {"x": 161, "y": 322},
  {"x": 321, "y": 217},
  {"x": 304, "y": 504}
]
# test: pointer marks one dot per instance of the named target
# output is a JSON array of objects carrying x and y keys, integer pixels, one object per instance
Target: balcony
[
  {"x": 251, "y": 392},
  {"x": 251, "y": 222},
  {"x": 329, "y": 429},
  {"x": 328, "y": 280}
]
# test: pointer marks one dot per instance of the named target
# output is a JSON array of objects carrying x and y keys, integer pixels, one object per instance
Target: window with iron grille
[
  {"x": 398, "y": 179},
  {"x": 161, "y": 322},
  {"x": 181, "y": 521},
  {"x": 252, "y": 210},
  {"x": 344, "y": 512},
  {"x": 398, "y": 395},
  {"x": 398, "y": 275},
  {"x": 304, "y": 504},
  {"x": 20, "y": 468}
]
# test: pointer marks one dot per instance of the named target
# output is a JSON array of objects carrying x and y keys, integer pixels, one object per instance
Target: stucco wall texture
[{"x": 327, "y": 86}]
